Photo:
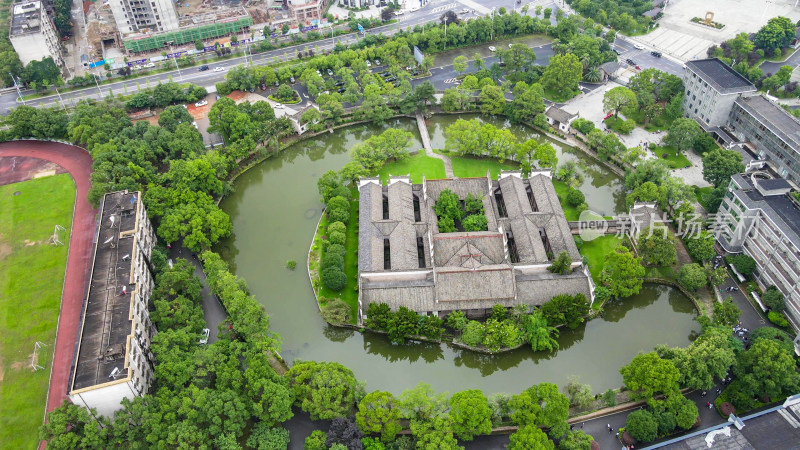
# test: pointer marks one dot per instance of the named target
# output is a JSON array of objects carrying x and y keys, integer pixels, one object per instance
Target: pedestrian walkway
[{"x": 426, "y": 143}]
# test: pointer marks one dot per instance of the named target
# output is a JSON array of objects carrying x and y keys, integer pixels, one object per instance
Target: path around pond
[{"x": 426, "y": 143}]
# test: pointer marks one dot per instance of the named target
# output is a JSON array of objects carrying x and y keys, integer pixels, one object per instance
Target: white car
[
  {"x": 638, "y": 46},
  {"x": 509, "y": 45},
  {"x": 201, "y": 103},
  {"x": 219, "y": 69},
  {"x": 413, "y": 8},
  {"x": 206, "y": 333},
  {"x": 149, "y": 65},
  {"x": 278, "y": 106},
  {"x": 194, "y": 124},
  {"x": 492, "y": 48},
  {"x": 369, "y": 64},
  {"x": 464, "y": 11}
]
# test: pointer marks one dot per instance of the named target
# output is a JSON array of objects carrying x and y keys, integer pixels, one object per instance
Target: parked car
[
  {"x": 264, "y": 86},
  {"x": 219, "y": 69},
  {"x": 617, "y": 51},
  {"x": 278, "y": 106},
  {"x": 341, "y": 90},
  {"x": 204, "y": 338},
  {"x": 630, "y": 61},
  {"x": 390, "y": 79},
  {"x": 149, "y": 65},
  {"x": 340, "y": 83},
  {"x": 203, "y": 68},
  {"x": 201, "y": 103},
  {"x": 291, "y": 79},
  {"x": 369, "y": 64},
  {"x": 194, "y": 124},
  {"x": 319, "y": 73},
  {"x": 638, "y": 68},
  {"x": 656, "y": 54},
  {"x": 377, "y": 62},
  {"x": 492, "y": 48},
  {"x": 330, "y": 72},
  {"x": 464, "y": 11}
]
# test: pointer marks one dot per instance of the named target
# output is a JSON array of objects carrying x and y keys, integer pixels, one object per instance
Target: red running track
[{"x": 78, "y": 163}]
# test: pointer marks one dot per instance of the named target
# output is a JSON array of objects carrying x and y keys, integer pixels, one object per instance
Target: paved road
[
  {"x": 771, "y": 68},
  {"x": 644, "y": 59},
  {"x": 78, "y": 163}
]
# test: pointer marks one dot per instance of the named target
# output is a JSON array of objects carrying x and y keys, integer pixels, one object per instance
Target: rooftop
[
  {"x": 775, "y": 118},
  {"x": 779, "y": 208},
  {"x": 720, "y": 76},
  {"x": 558, "y": 114},
  {"x": 106, "y": 322},
  {"x": 26, "y": 18}
]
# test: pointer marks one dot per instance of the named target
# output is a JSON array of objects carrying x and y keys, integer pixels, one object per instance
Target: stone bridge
[{"x": 606, "y": 226}]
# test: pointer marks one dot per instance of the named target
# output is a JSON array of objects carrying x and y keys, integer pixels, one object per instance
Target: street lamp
[
  {"x": 491, "y": 33},
  {"x": 445, "y": 32},
  {"x": 96, "y": 83},
  {"x": 180, "y": 77},
  {"x": 17, "y": 86}
]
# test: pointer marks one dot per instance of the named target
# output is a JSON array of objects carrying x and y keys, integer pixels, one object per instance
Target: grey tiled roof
[
  {"x": 720, "y": 76},
  {"x": 558, "y": 114}
]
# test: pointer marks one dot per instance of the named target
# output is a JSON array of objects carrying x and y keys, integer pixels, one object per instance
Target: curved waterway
[{"x": 275, "y": 210}]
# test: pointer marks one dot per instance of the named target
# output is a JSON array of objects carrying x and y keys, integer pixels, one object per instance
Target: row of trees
[{"x": 165, "y": 94}]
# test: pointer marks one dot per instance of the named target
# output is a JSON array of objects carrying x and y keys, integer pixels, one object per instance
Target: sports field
[{"x": 31, "y": 279}]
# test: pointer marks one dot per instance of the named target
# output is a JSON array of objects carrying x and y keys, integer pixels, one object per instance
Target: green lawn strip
[
  {"x": 350, "y": 292},
  {"x": 674, "y": 158},
  {"x": 470, "y": 167},
  {"x": 702, "y": 195},
  {"x": 595, "y": 252},
  {"x": 665, "y": 272},
  {"x": 559, "y": 97},
  {"x": 31, "y": 280},
  {"x": 570, "y": 212},
  {"x": 416, "y": 165},
  {"x": 614, "y": 124},
  {"x": 657, "y": 124}
]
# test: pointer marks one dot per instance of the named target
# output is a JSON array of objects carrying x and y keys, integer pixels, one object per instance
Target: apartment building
[
  {"x": 770, "y": 132},
  {"x": 135, "y": 16},
  {"x": 306, "y": 12},
  {"x": 759, "y": 218},
  {"x": 33, "y": 34},
  {"x": 711, "y": 89},
  {"x": 112, "y": 359}
]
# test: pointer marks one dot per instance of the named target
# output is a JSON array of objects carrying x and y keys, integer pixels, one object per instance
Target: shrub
[
  {"x": 457, "y": 320},
  {"x": 583, "y": 125},
  {"x": 378, "y": 316},
  {"x": 566, "y": 309},
  {"x": 609, "y": 398},
  {"x": 316, "y": 441},
  {"x": 499, "y": 312},
  {"x": 575, "y": 197},
  {"x": 337, "y": 227},
  {"x": 332, "y": 260},
  {"x": 339, "y": 214},
  {"x": 778, "y": 319},
  {"x": 403, "y": 324},
  {"x": 335, "y": 249},
  {"x": 475, "y": 222},
  {"x": 473, "y": 333},
  {"x": 337, "y": 311},
  {"x": 601, "y": 294},
  {"x": 446, "y": 225},
  {"x": 291, "y": 264},
  {"x": 562, "y": 265},
  {"x": 333, "y": 278},
  {"x": 473, "y": 205},
  {"x": 773, "y": 299},
  {"x": 337, "y": 238},
  {"x": 642, "y": 426},
  {"x": 266, "y": 438},
  {"x": 625, "y": 127},
  {"x": 431, "y": 327}
]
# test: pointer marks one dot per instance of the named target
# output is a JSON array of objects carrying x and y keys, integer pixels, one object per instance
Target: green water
[{"x": 275, "y": 210}]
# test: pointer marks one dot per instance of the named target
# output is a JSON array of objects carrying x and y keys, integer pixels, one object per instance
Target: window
[
  {"x": 421, "y": 252},
  {"x": 417, "y": 212},
  {"x": 531, "y": 199},
  {"x": 513, "y": 255},
  {"x": 385, "y": 207},
  {"x": 546, "y": 243},
  {"x": 501, "y": 205},
  {"x": 387, "y": 256}
]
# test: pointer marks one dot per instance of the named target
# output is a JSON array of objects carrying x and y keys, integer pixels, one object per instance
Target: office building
[
  {"x": 33, "y": 34},
  {"x": 711, "y": 87}
]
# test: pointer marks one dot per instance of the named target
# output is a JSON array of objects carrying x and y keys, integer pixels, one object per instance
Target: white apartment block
[
  {"x": 135, "y": 16},
  {"x": 759, "y": 218},
  {"x": 33, "y": 34},
  {"x": 711, "y": 88},
  {"x": 113, "y": 360}
]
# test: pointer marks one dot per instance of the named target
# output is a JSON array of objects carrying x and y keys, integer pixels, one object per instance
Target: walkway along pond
[{"x": 275, "y": 210}]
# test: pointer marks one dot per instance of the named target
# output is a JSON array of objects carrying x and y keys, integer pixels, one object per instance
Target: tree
[
  {"x": 43, "y": 73},
  {"x": 618, "y": 98},
  {"x": 566, "y": 309},
  {"x": 285, "y": 93},
  {"x": 378, "y": 413},
  {"x": 454, "y": 99},
  {"x": 579, "y": 394},
  {"x": 470, "y": 413},
  {"x": 324, "y": 390},
  {"x": 541, "y": 405},
  {"x": 518, "y": 58},
  {"x": 777, "y": 33},
  {"x": 642, "y": 426},
  {"x": 173, "y": 116},
  {"x": 719, "y": 164},
  {"x": 70, "y": 426},
  {"x": 767, "y": 369},
  {"x": 527, "y": 104},
  {"x": 343, "y": 434},
  {"x": 648, "y": 375},
  {"x": 726, "y": 313},
  {"x": 316, "y": 441},
  {"x": 563, "y": 74},
  {"x": 529, "y": 437},
  {"x": 475, "y": 222},
  {"x": 682, "y": 134},
  {"x": 708, "y": 358},
  {"x": 692, "y": 276},
  {"x": 610, "y": 147},
  {"x": 460, "y": 64},
  {"x": 540, "y": 335},
  {"x": 562, "y": 264},
  {"x": 576, "y": 440},
  {"x": 622, "y": 273},
  {"x": 421, "y": 405},
  {"x": 645, "y": 192},
  {"x": 266, "y": 438},
  {"x": 773, "y": 299},
  {"x": 701, "y": 246},
  {"x": 650, "y": 170},
  {"x": 657, "y": 247},
  {"x": 770, "y": 333},
  {"x": 492, "y": 100},
  {"x": 744, "y": 264}
]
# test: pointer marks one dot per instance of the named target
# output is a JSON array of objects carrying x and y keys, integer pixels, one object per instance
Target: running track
[{"x": 78, "y": 163}]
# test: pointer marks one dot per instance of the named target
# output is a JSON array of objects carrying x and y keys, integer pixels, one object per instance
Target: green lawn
[
  {"x": 416, "y": 165},
  {"x": 595, "y": 252},
  {"x": 702, "y": 194},
  {"x": 31, "y": 280},
  {"x": 350, "y": 292},
  {"x": 665, "y": 272},
  {"x": 559, "y": 97},
  {"x": 674, "y": 158},
  {"x": 658, "y": 123},
  {"x": 562, "y": 190},
  {"x": 614, "y": 123},
  {"x": 467, "y": 166}
]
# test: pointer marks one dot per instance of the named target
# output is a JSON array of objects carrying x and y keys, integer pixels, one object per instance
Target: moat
[{"x": 275, "y": 209}]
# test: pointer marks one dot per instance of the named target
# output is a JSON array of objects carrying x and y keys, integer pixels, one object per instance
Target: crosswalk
[
  {"x": 445, "y": 7},
  {"x": 452, "y": 81}
]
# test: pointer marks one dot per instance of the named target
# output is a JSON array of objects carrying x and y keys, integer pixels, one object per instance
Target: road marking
[
  {"x": 444, "y": 8},
  {"x": 480, "y": 9},
  {"x": 452, "y": 81}
]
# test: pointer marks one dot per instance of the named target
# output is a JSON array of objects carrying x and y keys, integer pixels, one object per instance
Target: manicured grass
[
  {"x": 559, "y": 97},
  {"x": 350, "y": 292},
  {"x": 702, "y": 195},
  {"x": 595, "y": 252},
  {"x": 674, "y": 159},
  {"x": 416, "y": 165},
  {"x": 615, "y": 124},
  {"x": 570, "y": 212},
  {"x": 657, "y": 124},
  {"x": 467, "y": 166},
  {"x": 31, "y": 280},
  {"x": 665, "y": 272}
]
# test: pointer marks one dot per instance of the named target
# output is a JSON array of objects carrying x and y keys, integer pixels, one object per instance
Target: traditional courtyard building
[
  {"x": 112, "y": 356},
  {"x": 404, "y": 260}
]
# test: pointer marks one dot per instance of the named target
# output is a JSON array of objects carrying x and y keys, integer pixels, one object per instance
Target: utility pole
[
  {"x": 60, "y": 99},
  {"x": 96, "y": 83},
  {"x": 17, "y": 86},
  {"x": 491, "y": 33},
  {"x": 180, "y": 77},
  {"x": 445, "y": 32}
]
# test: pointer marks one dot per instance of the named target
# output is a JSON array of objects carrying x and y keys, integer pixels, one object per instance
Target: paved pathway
[
  {"x": 426, "y": 143},
  {"x": 78, "y": 163}
]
